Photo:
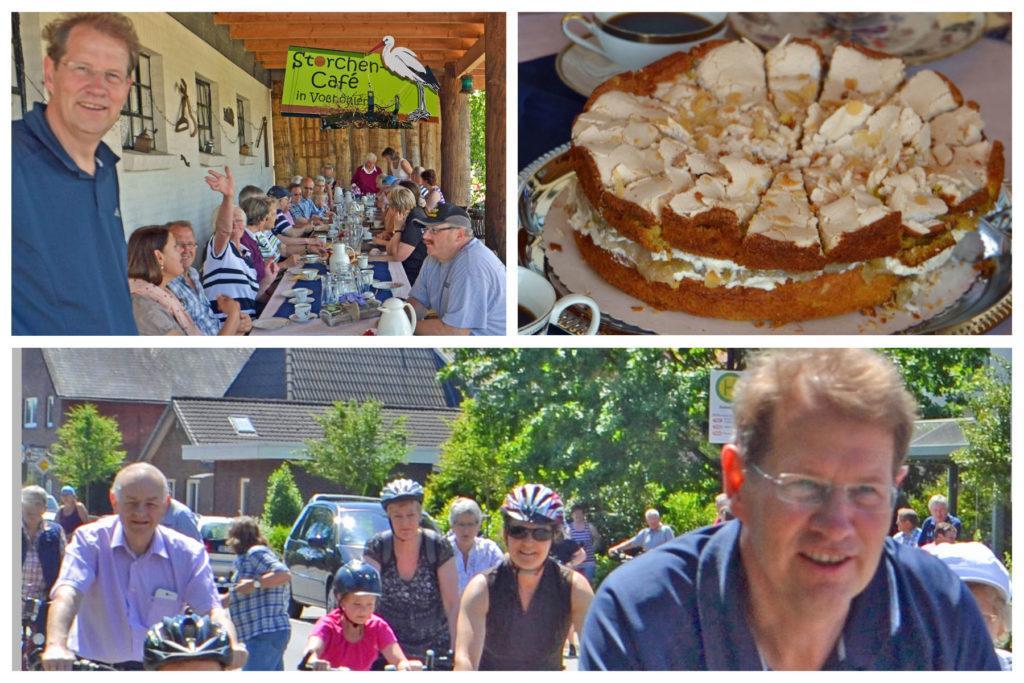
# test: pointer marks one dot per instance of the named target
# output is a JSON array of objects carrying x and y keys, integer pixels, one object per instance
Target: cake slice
[
  {"x": 733, "y": 72},
  {"x": 794, "y": 69},
  {"x": 855, "y": 72},
  {"x": 858, "y": 227},
  {"x": 929, "y": 94},
  {"x": 783, "y": 232}
]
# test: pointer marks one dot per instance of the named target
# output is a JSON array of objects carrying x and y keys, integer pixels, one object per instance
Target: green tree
[
  {"x": 357, "y": 450},
  {"x": 88, "y": 449},
  {"x": 597, "y": 425},
  {"x": 284, "y": 501},
  {"x": 478, "y": 145}
]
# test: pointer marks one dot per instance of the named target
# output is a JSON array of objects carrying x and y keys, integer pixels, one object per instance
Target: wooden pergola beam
[
  {"x": 374, "y": 31},
  {"x": 353, "y": 44},
  {"x": 278, "y": 60},
  {"x": 474, "y": 55},
  {"x": 349, "y": 17}
]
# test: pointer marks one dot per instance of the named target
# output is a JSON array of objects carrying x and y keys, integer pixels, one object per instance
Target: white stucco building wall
[{"x": 159, "y": 186}]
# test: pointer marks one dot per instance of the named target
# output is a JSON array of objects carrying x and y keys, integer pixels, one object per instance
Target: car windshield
[
  {"x": 358, "y": 526},
  {"x": 215, "y": 531}
]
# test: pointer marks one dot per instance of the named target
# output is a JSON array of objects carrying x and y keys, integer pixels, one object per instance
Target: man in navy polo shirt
[
  {"x": 69, "y": 255},
  {"x": 805, "y": 577}
]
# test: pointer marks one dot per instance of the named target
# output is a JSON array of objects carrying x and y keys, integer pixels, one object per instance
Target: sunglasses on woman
[{"x": 521, "y": 532}]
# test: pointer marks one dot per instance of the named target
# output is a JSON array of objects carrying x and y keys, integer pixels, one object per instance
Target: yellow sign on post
[{"x": 390, "y": 89}]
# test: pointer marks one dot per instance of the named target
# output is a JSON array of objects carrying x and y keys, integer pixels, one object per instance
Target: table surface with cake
[{"x": 898, "y": 139}]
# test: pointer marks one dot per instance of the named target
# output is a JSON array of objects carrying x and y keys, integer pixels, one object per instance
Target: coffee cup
[
  {"x": 302, "y": 310},
  {"x": 363, "y": 261},
  {"x": 635, "y": 39},
  {"x": 309, "y": 273},
  {"x": 540, "y": 305},
  {"x": 300, "y": 298}
]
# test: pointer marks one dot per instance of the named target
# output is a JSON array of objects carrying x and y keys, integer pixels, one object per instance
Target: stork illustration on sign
[{"x": 402, "y": 62}]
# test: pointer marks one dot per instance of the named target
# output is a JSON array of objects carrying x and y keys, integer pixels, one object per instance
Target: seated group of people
[{"x": 252, "y": 242}]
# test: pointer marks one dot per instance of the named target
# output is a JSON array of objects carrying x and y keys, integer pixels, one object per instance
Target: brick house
[
  {"x": 133, "y": 386},
  {"x": 220, "y": 452}
]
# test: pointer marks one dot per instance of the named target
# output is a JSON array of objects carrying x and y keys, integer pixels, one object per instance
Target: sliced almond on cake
[{"x": 910, "y": 194}]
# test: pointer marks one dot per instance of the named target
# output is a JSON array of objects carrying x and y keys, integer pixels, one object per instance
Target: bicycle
[{"x": 32, "y": 641}]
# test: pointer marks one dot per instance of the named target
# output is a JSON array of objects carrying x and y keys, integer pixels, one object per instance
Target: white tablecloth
[{"x": 317, "y": 326}]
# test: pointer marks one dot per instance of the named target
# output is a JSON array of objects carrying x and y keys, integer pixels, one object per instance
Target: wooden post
[
  {"x": 343, "y": 167},
  {"x": 454, "y": 138},
  {"x": 411, "y": 141},
  {"x": 295, "y": 142},
  {"x": 282, "y": 149},
  {"x": 494, "y": 75}
]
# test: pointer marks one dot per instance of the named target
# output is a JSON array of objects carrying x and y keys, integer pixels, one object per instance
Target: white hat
[{"x": 974, "y": 562}]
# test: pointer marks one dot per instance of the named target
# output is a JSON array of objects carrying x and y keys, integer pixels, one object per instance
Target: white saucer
[
  {"x": 269, "y": 323},
  {"x": 296, "y": 319},
  {"x": 381, "y": 284},
  {"x": 297, "y": 291},
  {"x": 583, "y": 70}
]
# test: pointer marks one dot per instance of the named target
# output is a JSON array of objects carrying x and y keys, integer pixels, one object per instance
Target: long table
[{"x": 316, "y": 326}]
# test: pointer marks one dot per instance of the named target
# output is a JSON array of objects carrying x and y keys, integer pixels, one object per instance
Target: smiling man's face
[
  {"x": 141, "y": 504},
  {"x": 83, "y": 102}
]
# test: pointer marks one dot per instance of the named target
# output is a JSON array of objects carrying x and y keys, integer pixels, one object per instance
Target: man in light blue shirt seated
[
  {"x": 182, "y": 520},
  {"x": 909, "y": 533},
  {"x": 654, "y": 535},
  {"x": 304, "y": 210},
  {"x": 461, "y": 279}
]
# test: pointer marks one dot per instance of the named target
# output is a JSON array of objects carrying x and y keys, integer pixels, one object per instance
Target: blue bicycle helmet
[
  {"x": 185, "y": 637},
  {"x": 399, "y": 490},
  {"x": 356, "y": 577},
  {"x": 534, "y": 503}
]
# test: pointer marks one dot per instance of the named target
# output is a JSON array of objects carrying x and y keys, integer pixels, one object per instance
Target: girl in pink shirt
[{"x": 352, "y": 636}]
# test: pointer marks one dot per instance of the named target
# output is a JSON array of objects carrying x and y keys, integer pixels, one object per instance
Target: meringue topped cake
[{"x": 780, "y": 186}]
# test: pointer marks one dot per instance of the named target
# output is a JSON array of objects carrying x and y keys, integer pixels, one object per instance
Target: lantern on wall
[{"x": 467, "y": 84}]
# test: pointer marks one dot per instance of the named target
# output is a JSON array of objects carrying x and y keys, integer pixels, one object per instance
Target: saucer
[
  {"x": 269, "y": 323},
  {"x": 297, "y": 291},
  {"x": 916, "y": 37},
  {"x": 583, "y": 70},
  {"x": 381, "y": 284},
  {"x": 296, "y": 319}
]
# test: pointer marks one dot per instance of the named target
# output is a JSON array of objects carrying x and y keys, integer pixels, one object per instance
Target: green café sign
[{"x": 352, "y": 89}]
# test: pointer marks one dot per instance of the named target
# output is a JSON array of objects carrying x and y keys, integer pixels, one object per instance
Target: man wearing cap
[
  {"x": 72, "y": 514},
  {"x": 989, "y": 583},
  {"x": 461, "y": 279},
  {"x": 806, "y": 576}
]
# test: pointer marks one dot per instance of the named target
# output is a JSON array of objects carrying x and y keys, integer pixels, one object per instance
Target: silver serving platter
[{"x": 981, "y": 308}]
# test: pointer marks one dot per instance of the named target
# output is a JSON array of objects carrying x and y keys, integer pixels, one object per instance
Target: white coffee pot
[
  {"x": 341, "y": 258},
  {"x": 397, "y": 318}
]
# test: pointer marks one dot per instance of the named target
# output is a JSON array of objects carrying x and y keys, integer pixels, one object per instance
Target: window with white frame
[
  {"x": 51, "y": 412},
  {"x": 243, "y": 496},
  {"x": 31, "y": 412},
  {"x": 138, "y": 108},
  {"x": 204, "y": 115},
  {"x": 192, "y": 494}
]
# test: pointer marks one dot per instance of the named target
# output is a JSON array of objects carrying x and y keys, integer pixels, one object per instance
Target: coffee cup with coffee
[
  {"x": 363, "y": 261},
  {"x": 635, "y": 39},
  {"x": 539, "y": 305}
]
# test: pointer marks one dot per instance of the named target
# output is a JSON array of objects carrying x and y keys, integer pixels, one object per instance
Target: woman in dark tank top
[
  {"x": 71, "y": 514},
  {"x": 515, "y": 616}
]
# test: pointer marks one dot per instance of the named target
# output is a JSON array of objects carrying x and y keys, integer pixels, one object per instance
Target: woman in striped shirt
[
  {"x": 434, "y": 196},
  {"x": 229, "y": 268}
]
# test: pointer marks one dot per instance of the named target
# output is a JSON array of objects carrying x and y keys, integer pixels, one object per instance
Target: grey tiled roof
[
  {"x": 395, "y": 377},
  {"x": 206, "y": 421},
  {"x": 143, "y": 374}
]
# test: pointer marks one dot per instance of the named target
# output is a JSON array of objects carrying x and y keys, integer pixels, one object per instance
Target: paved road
[
  {"x": 300, "y": 631},
  {"x": 302, "y": 627}
]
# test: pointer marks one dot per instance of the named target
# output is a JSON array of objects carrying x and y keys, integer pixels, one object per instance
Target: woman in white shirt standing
[{"x": 473, "y": 554}]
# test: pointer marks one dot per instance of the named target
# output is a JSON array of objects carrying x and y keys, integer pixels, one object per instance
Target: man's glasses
[
  {"x": 433, "y": 229},
  {"x": 539, "y": 534},
  {"x": 182, "y": 246},
  {"x": 84, "y": 72},
  {"x": 800, "y": 489}
]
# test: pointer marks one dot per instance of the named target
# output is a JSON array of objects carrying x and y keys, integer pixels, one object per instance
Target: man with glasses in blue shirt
[
  {"x": 68, "y": 248},
  {"x": 805, "y": 577},
  {"x": 461, "y": 279}
]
